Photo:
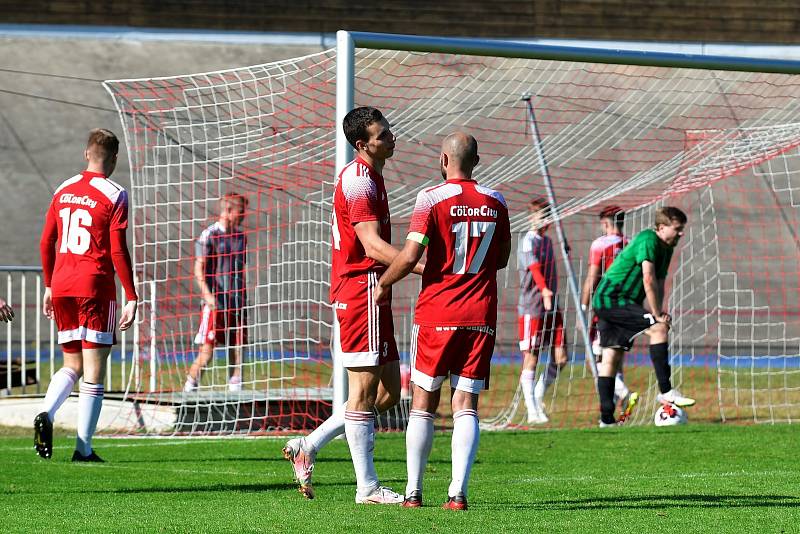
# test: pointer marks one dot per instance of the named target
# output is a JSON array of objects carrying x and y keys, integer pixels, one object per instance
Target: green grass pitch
[{"x": 697, "y": 478}]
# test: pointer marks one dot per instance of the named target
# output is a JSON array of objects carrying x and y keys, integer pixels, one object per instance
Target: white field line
[{"x": 526, "y": 480}]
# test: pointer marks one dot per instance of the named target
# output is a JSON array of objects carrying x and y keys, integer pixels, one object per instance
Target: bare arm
[
  {"x": 404, "y": 262},
  {"x": 592, "y": 277},
  {"x": 653, "y": 290},
  {"x": 368, "y": 233}
]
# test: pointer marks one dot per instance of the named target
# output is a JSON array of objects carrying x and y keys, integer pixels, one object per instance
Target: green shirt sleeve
[{"x": 647, "y": 248}]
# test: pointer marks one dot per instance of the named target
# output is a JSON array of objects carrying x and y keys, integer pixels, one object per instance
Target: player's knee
[
  {"x": 73, "y": 357},
  {"x": 561, "y": 357},
  {"x": 76, "y": 368},
  {"x": 424, "y": 400},
  {"x": 530, "y": 359},
  {"x": 464, "y": 400}
]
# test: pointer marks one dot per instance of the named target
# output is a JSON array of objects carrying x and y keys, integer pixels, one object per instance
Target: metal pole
[
  {"x": 345, "y": 76},
  {"x": 517, "y": 49},
  {"x": 22, "y": 330},
  {"x": 38, "y": 315},
  {"x": 153, "y": 346},
  {"x": 10, "y": 301},
  {"x": 551, "y": 197}
]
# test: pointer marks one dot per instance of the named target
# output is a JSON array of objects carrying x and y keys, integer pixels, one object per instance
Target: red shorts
[
  {"x": 87, "y": 320},
  {"x": 363, "y": 333},
  {"x": 463, "y": 352},
  {"x": 224, "y": 327},
  {"x": 537, "y": 333}
]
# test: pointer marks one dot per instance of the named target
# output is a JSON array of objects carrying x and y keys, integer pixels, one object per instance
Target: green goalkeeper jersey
[{"x": 622, "y": 283}]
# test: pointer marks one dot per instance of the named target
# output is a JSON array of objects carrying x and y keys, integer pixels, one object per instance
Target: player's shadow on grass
[
  {"x": 219, "y": 459},
  {"x": 661, "y": 502},
  {"x": 226, "y": 459},
  {"x": 213, "y": 488}
]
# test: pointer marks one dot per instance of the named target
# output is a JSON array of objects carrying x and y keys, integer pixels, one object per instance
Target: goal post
[
  {"x": 580, "y": 314},
  {"x": 711, "y": 135}
]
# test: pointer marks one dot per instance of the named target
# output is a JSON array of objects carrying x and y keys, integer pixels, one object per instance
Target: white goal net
[{"x": 721, "y": 145}]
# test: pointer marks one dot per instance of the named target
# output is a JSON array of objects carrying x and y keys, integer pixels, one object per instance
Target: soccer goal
[{"x": 717, "y": 137}]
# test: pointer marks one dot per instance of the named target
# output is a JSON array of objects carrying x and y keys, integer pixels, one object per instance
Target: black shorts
[{"x": 618, "y": 327}]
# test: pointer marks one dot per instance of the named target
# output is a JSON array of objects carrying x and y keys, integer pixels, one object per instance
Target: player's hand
[
  {"x": 664, "y": 318},
  {"x": 587, "y": 313},
  {"x": 47, "y": 303},
  {"x": 547, "y": 298},
  {"x": 128, "y": 314},
  {"x": 210, "y": 301},
  {"x": 380, "y": 294},
  {"x": 6, "y": 313}
]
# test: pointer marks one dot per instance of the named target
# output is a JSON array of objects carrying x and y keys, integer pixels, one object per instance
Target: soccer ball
[{"x": 669, "y": 415}]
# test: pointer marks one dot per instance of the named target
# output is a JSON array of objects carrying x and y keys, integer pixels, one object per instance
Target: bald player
[{"x": 466, "y": 231}]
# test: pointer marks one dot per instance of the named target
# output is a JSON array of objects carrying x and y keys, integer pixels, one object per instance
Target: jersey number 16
[{"x": 75, "y": 237}]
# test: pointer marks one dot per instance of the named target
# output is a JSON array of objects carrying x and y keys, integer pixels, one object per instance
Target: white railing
[{"x": 30, "y": 342}]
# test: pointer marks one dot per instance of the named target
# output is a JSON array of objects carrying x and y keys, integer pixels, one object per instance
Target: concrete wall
[
  {"x": 774, "y": 21},
  {"x": 42, "y": 139}
]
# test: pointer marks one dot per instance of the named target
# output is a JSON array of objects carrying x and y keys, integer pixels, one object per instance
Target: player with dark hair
[
  {"x": 363, "y": 331},
  {"x": 602, "y": 252}
]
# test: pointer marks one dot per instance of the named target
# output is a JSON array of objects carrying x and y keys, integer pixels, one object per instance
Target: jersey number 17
[{"x": 464, "y": 231}]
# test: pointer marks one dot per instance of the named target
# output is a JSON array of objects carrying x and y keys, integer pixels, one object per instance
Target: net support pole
[
  {"x": 10, "y": 301},
  {"x": 551, "y": 198},
  {"x": 153, "y": 346},
  {"x": 345, "y": 76}
]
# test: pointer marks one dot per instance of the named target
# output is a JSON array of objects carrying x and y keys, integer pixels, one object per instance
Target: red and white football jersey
[
  {"x": 84, "y": 210},
  {"x": 463, "y": 225},
  {"x": 604, "y": 249},
  {"x": 359, "y": 196}
]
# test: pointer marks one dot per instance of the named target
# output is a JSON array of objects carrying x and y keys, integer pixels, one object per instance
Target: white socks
[
  {"x": 545, "y": 379},
  {"x": 359, "y": 427},
  {"x": 419, "y": 439},
  {"x": 58, "y": 391},
  {"x": 620, "y": 389},
  {"x": 329, "y": 429},
  {"x": 526, "y": 380},
  {"x": 464, "y": 446},
  {"x": 90, "y": 401}
]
